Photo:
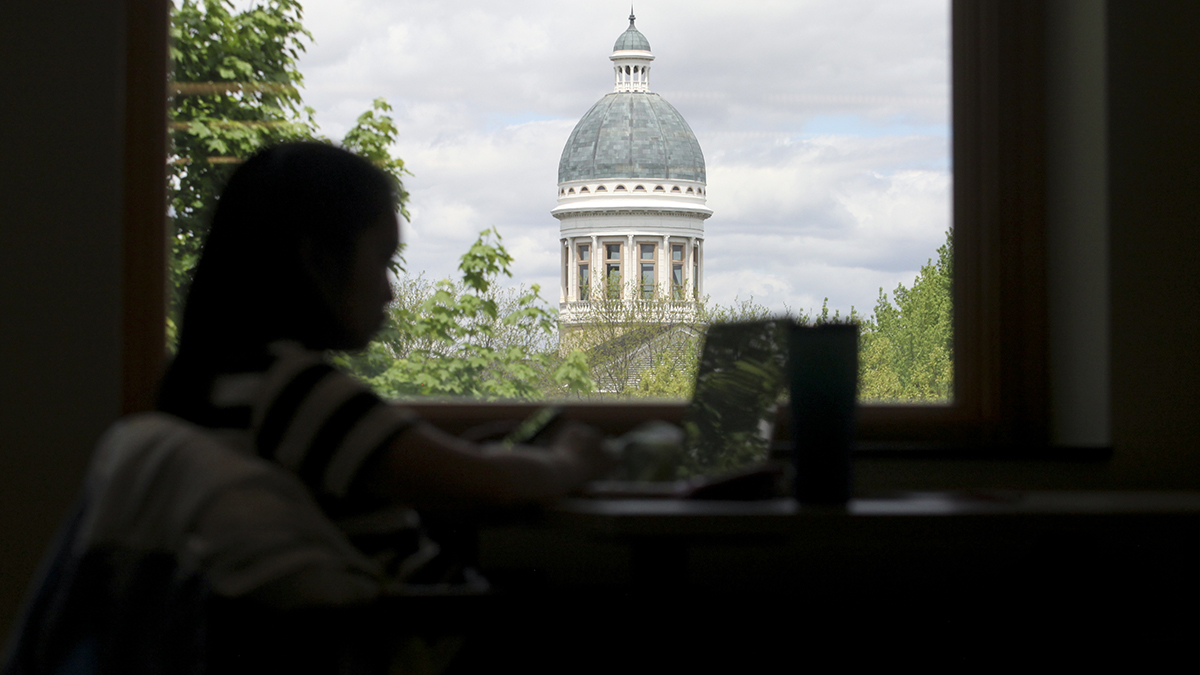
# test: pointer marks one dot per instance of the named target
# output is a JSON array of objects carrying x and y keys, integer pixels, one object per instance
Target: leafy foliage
[
  {"x": 907, "y": 348},
  {"x": 650, "y": 348},
  {"x": 470, "y": 338},
  {"x": 370, "y": 137},
  {"x": 235, "y": 90}
]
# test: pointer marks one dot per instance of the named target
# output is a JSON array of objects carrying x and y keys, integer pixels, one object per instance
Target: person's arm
[{"x": 426, "y": 467}]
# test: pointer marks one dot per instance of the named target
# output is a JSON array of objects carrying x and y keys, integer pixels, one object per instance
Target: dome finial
[{"x": 631, "y": 16}]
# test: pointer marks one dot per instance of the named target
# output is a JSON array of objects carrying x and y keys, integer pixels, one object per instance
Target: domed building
[{"x": 631, "y": 197}]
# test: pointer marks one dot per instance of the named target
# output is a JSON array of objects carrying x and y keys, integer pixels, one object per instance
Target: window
[
  {"x": 640, "y": 188},
  {"x": 585, "y": 279},
  {"x": 601, "y": 188},
  {"x": 619, "y": 188},
  {"x": 612, "y": 271},
  {"x": 695, "y": 273},
  {"x": 677, "y": 272},
  {"x": 998, "y": 216},
  {"x": 583, "y": 190},
  {"x": 646, "y": 260}
]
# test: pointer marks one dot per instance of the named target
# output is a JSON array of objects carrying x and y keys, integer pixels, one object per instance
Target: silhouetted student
[
  {"x": 188, "y": 554},
  {"x": 297, "y": 263}
]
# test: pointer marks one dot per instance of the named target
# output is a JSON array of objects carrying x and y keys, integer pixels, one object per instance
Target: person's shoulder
[
  {"x": 286, "y": 355},
  {"x": 281, "y": 370},
  {"x": 319, "y": 421},
  {"x": 297, "y": 374}
]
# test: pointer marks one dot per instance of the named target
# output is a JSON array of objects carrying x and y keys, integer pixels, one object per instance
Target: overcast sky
[{"x": 824, "y": 124}]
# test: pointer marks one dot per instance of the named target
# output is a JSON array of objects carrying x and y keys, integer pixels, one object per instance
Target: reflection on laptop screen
[{"x": 729, "y": 422}]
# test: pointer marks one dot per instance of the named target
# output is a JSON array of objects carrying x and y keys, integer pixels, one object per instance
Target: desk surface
[
  {"x": 774, "y": 543},
  {"x": 677, "y": 517}
]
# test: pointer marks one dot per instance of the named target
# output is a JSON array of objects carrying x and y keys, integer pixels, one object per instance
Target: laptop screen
[{"x": 740, "y": 379}]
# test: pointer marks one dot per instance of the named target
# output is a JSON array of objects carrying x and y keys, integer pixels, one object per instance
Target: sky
[{"x": 824, "y": 126}]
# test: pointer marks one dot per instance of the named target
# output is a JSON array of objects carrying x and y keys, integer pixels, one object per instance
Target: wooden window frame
[
  {"x": 145, "y": 229},
  {"x": 1001, "y": 372}
]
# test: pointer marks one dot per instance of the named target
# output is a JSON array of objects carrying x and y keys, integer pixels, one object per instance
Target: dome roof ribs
[
  {"x": 662, "y": 142},
  {"x": 632, "y": 38},
  {"x": 632, "y": 133}
]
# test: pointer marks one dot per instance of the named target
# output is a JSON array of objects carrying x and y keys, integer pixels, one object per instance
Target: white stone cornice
[
  {"x": 626, "y": 202},
  {"x": 640, "y": 54},
  {"x": 701, "y": 213}
]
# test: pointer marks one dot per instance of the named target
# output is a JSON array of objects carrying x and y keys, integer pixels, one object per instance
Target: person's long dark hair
[{"x": 252, "y": 285}]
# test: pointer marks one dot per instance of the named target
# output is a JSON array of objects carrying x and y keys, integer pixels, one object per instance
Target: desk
[
  {"x": 913, "y": 540},
  {"x": 922, "y": 578}
]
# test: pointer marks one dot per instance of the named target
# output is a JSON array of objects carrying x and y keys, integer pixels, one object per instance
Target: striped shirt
[{"x": 309, "y": 417}]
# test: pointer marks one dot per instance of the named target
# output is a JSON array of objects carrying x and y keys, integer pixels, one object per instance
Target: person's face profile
[{"x": 367, "y": 291}]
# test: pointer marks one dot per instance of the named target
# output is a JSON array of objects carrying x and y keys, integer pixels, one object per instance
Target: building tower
[{"x": 631, "y": 197}]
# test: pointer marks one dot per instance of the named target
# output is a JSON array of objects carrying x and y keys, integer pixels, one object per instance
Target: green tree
[
  {"x": 235, "y": 89},
  {"x": 649, "y": 348},
  {"x": 907, "y": 348},
  {"x": 469, "y": 338}
]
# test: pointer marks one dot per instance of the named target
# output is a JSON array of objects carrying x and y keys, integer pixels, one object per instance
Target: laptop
[{"x": 727, "y": 426}]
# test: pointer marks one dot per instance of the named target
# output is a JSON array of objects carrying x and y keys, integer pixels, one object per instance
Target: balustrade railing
[{"x": 666, "y": 311}]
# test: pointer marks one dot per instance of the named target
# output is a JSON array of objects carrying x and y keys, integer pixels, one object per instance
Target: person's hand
[{"x": 582, "y": 446}]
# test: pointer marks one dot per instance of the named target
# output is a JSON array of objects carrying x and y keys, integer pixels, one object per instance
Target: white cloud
[{"x": 823, "y": 122}]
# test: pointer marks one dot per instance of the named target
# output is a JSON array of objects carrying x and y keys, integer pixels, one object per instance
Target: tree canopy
[
  {"x": 470, "y": 337},
  {"x": 906, "y": 350},
  {"x": 236, "y": 89}
]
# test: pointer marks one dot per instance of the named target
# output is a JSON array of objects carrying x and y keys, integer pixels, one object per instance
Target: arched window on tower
[
  {"x": 677, "y": 271},
  {"x": 585, "y": 278},
  {"x": 620, "y": 188},
  {"x": 640, "y": 188},
  {"x": 571, "y": 191},
  {"x": 612, "y": 271},
  {"x": 659, "y": 188},
  {"x": 675, "y": 189},
  {"x": 646, "y": 264},
  {"x": 601, "y": 188},
  {"x": 583, "y": 190}
]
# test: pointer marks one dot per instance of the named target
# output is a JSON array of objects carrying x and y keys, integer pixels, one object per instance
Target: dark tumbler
[{"x": 823, "y": 367}]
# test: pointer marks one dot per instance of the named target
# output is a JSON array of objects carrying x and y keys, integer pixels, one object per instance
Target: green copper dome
[
  {"x": 632, "y": 135},
  {"x": 632, "y": 38}
]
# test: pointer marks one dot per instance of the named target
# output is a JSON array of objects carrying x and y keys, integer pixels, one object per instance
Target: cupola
[{"x": 631, "y": 59}]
